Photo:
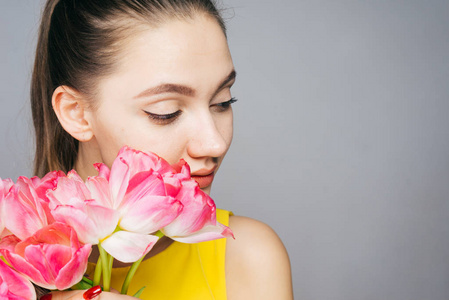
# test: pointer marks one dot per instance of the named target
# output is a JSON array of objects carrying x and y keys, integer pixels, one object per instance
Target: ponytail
[{"x": 55, "y": 148}]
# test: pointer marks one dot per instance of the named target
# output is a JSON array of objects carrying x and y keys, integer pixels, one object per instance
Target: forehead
[{"x": 193, "y": 52}]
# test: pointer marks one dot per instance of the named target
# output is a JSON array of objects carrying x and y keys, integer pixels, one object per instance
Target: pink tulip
[
  {"x": 29, "y": 212},
  {"x": 42, "y": 185},
  {"x": 5, "y": 186},
  {"x": 121, "y": 207},
  {"x": 197, "y": 221},
  {"x": 138, "y": 191},
  {"x": 14, "y": 286},
  {"x": 129, "y": 162},
  {"x": 52, "y": 258},
  {"x": 72, "y": 203},
  {"x": 135, "y": 188},
  {"x": 48, "y": 182}
]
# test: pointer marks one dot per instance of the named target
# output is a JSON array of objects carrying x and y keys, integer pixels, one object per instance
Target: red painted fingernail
[
  {"x": 92, "y": 292},
  {"x": 46, "y": 297}
]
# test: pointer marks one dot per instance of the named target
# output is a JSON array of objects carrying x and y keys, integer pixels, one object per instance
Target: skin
[
  {"x": 193, "y": 54},
  {"x": 75, "y": 295}
]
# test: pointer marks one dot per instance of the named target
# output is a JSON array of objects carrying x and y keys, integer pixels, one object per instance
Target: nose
[{"x": 208, "y": 138}]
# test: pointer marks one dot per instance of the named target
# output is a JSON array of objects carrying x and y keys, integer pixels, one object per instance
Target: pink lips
[{"x": 204, "y": 180}]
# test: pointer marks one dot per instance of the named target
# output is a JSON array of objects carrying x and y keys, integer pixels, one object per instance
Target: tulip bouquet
[{"x": 48, "y": 225}]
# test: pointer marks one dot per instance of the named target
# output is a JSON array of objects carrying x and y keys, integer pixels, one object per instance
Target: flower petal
[
  {"x": 207, "y": 233},
  {"x": 91, "y": 222},
  {"x": 103, "y": 170},
  {"x": 128, "y": 163},
  {"x": 9, "y": 242},
  {"x": 47, "y": 259},
  {"x": 49, "y": 181},
  {"x": 51, "y": 251},
  {"x": 73, "y": 271},
  {"x": 5, "y": 186},
  {"x": 127, "y": 246},
  {"x": 140, "y": 161},
  {"x": 100, "y": 191},
  {"x": 146, "y": 208},
  {"x": 25, "y": 268},
  {"x": 29, "y": 214},
  {"x": 69, "y": 187},
  {"x": 14, "y": 285},
  {"x": 150, "y": 214},
  {"x": 198, "y": 211},
  {"x": 118, "y": 181}
]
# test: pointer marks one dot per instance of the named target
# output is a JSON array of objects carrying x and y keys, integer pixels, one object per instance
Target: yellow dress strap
[{"x": 182, "y": 271}]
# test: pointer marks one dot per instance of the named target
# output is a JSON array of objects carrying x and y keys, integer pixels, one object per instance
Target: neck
[{"x": 85, "y": 160}]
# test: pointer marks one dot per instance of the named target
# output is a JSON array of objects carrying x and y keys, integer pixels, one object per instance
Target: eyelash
[
  {"x": 169, "y": 118},
  {"x": 163, "y": 119},
  {"x": 224, "y": 106}
]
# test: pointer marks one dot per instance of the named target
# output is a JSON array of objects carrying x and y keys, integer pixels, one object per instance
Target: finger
[
  {"x": 90, "y": 294},
  {"x": 57, "y": 295}
]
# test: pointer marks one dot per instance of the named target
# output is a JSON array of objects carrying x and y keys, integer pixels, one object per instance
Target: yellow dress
[{"x": 182, "y": 271}]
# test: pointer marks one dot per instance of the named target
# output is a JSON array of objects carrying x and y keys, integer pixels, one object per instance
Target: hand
[{"x": 94, "y": 293}]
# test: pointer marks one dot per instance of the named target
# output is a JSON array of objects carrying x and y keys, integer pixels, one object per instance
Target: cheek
[
  {"x": 109, "y": 139},
  {"x": 227, "y": 129},
  {"x": 111, "y": 130},
  {"x": 138, "y": 133},
  {"x": 169, "y": 146}
]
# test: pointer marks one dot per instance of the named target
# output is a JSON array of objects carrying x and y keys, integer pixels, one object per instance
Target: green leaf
[
  {"x": 84, "y": 284},
  {"x": 88, "y": 281},
  {"x": 139, "y": 292}
]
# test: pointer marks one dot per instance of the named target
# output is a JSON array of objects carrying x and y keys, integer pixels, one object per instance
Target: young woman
[{"x": 154, "y": 75}]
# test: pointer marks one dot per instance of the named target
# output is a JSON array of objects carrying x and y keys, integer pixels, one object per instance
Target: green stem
[
  {"x": 159, "y": 234},
  {"x": 111, "y": 262},
  {"x": 106, "y": 270},
  {"x": 97, "y": 274},
  {"x": 130, "y": 275}
]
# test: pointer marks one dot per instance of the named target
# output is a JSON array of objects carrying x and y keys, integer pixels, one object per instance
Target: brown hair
[{"x": 79, "y": 42}]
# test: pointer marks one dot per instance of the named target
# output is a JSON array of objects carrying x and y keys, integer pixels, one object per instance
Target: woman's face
[{"x": 170, "y": 95}]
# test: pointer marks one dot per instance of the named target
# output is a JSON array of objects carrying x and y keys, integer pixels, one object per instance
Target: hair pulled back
[{"x": 79, "y": 42}]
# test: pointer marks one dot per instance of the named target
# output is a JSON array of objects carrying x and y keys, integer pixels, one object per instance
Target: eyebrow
[{"x": 182, "y": 89}]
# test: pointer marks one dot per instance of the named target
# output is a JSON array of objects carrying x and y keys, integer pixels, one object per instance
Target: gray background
[{"x": 341, "y": 137}]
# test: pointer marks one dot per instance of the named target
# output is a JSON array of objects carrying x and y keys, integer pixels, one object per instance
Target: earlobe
[{"x": 70, "y": 108}]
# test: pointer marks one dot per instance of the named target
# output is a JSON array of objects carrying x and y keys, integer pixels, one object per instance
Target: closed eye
[
  {"x": 224, "y": 106},
  {"x": 163, "y": 119}
]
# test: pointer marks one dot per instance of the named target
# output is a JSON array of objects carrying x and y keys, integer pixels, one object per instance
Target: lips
[{"x": 203, "y": 180}]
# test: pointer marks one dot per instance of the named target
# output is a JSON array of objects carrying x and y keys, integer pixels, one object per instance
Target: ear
[{"x": 70, "y": 108}]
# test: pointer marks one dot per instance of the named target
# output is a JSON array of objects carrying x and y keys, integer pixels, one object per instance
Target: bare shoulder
[{"x": 257, "y": 263}]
